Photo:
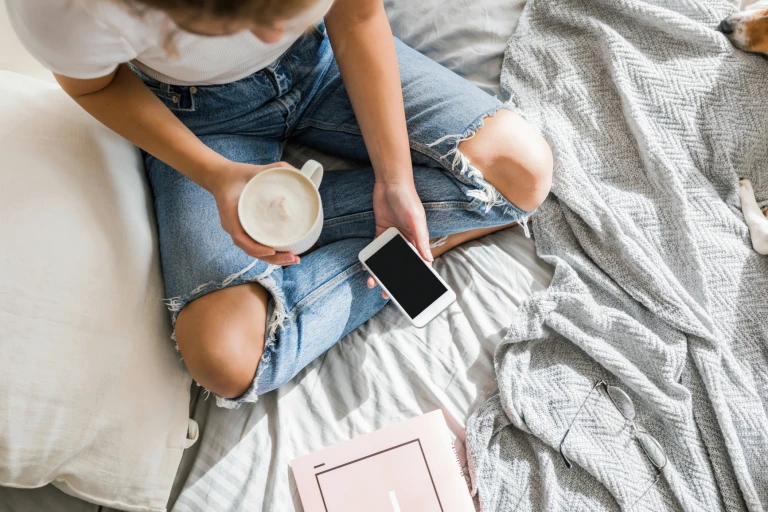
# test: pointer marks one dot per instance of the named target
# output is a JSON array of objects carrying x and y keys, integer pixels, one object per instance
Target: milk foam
[{"x": 279, "y": 208}]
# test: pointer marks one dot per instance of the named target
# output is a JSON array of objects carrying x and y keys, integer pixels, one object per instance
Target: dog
[{"x": 748, "y": 31}]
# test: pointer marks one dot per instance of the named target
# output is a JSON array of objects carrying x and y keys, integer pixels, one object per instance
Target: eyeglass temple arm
[
  {"x": 568, "y": 463},
  {"x": 655, "y": 481}
]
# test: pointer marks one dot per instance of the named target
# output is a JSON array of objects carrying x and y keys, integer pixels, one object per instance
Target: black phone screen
[{"x": 406, "y": 276}]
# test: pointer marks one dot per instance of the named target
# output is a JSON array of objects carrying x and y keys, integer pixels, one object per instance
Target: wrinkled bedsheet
[{"x": 384, "y": 372}]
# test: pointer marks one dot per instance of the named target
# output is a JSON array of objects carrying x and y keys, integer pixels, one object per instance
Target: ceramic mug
[{"x": 296, "y": 242}]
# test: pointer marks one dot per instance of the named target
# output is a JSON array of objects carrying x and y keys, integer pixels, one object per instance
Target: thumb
[{"x": 422, "y": 241}]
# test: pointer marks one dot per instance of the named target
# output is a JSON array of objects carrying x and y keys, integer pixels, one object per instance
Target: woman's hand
[
  {"x": 226, "y": 188},
  {"x": 399, "y": 205}
]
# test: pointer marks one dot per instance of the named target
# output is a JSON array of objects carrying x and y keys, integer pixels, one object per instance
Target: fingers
[
  {"x": 371, "y": 282},
  {"x": 283, "y": 259},
  {"x": 421, "y": 241},
  {"x": 251, "y": 247},
  {"x": 268, "y": 254},
  {"x": 280, "y": 165},
  {"x": 262, "y": 252},
  {"x": 245, "y": 242}
]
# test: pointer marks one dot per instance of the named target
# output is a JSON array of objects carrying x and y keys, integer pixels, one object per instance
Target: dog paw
[{"x": 746, "y": 192}]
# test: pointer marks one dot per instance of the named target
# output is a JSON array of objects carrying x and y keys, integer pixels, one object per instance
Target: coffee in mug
[{"x": 281, "y": 208}]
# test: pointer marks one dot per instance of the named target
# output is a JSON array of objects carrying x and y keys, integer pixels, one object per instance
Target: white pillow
[{"x": 93, "y": 396}]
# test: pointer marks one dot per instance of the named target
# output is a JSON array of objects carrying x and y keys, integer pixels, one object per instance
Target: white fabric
[
  {"x": 90, "y": 38},
  {"x": 468, "y": 37},
  {"x": 14, "y": 57},
  {"x": 384, "y": 372},
  {"x": 93, "y": 396}
]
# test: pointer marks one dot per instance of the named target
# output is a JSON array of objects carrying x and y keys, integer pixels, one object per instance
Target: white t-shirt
[{"x": 90, "y": 38}]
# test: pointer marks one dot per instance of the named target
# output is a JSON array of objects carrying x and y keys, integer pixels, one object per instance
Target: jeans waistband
[{"x": 305, "y": 46}]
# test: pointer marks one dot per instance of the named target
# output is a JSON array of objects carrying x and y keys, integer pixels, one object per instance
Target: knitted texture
[{"x": 652, "y": 117}]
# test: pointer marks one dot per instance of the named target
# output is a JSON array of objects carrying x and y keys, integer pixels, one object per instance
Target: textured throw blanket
[{"x": 652, "y": 117}]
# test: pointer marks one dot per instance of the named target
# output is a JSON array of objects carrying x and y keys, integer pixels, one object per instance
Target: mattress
[{"x": 387, "y": 370}]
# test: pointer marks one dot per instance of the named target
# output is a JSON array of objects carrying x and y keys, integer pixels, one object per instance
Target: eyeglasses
[{"x": 651, "y": 447}]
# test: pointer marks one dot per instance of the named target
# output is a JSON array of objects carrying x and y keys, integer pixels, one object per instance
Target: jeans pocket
[{"x": 177, "y": 99}]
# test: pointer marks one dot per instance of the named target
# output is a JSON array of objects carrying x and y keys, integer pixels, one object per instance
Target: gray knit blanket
[{"x": 652, "y": 117}]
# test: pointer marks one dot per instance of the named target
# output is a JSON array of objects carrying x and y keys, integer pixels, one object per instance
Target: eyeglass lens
[
  {"x": 622, "y": 402},
  {"x": 652, "y": 449},
  {"x": 626, "y": 407}
]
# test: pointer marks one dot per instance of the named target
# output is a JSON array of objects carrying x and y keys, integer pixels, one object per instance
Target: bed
[{"x": 386, "y": 371}]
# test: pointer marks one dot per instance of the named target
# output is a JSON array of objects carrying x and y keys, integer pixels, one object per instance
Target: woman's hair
[
  {"x": 256, "y": 10},
  {"x": 259, "y": 11}
]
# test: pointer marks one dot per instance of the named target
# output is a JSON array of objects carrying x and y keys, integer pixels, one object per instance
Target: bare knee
[
  {"x": 221, "y": 338},
  {"x": 513, "y": 157}
]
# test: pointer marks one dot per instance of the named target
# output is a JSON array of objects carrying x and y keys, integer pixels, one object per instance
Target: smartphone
[{"x": 410, "y": 282}]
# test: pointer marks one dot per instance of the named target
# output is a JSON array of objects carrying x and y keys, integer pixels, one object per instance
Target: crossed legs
[{"x": 221, "y": 335}]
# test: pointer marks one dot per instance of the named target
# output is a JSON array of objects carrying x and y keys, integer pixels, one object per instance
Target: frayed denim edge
[
  {"x": 276, "y": 321},
  {"x": 437, "y": 242},
  {"x": 463, "y": 168}
]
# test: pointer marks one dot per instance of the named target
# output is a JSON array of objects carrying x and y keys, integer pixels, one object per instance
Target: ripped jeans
[{"x": 301, "y": 96}]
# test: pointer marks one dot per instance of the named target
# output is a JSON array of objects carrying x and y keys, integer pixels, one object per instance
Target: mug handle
[{"x": 314, "y": 171}]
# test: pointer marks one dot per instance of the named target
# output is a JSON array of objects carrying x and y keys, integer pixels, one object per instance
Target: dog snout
[{"x": 726, "y": 26}]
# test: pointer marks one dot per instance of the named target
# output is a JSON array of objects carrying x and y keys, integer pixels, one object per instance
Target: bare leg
[
  {"x": 513, "y": 157},
  {"x": 221, "y": 337},
  {"x": 459, "y": 238}
]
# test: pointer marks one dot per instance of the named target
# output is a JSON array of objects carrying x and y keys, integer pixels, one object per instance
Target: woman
[{"x": 212, "y": 89}]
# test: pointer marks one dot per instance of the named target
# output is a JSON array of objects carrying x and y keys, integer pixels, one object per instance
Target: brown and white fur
[
  {"x": 755, "y": 218},
  {"x": 748, "y": 31}
]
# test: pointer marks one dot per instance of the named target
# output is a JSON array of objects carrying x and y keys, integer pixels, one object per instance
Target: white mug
[{"x": 312, "y": 172}]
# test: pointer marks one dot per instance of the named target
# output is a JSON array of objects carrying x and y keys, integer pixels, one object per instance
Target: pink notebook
[{"x": 408, "y": 467}]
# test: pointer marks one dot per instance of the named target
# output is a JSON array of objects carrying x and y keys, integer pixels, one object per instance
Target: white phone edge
[{"x": 434, "y": 309}]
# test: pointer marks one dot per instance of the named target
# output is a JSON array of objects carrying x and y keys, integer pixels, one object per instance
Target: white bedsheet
[{"x": 384, "y": 372}]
